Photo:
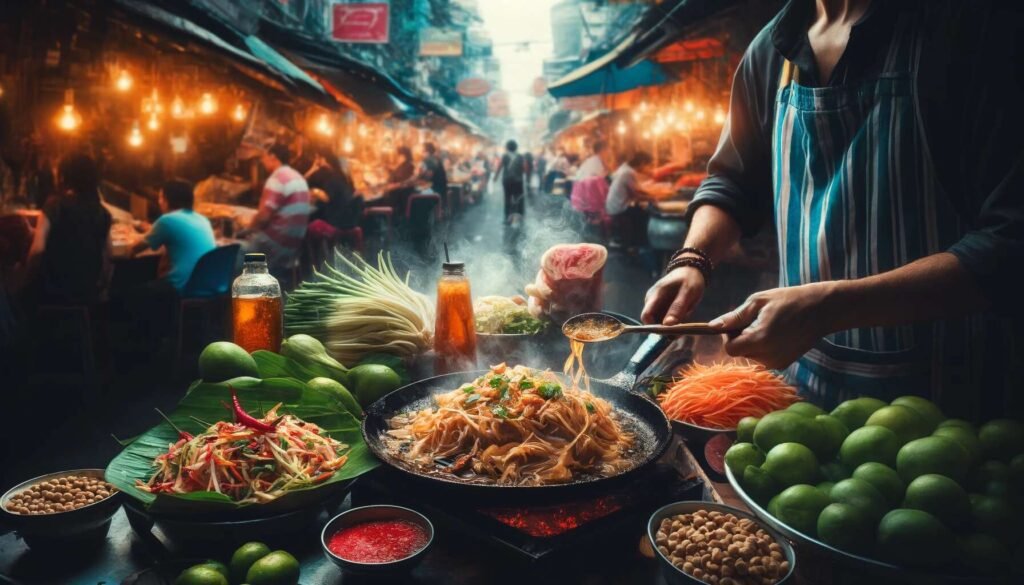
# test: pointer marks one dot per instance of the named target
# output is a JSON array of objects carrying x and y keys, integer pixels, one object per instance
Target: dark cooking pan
[{"x": 635, "y": 410}]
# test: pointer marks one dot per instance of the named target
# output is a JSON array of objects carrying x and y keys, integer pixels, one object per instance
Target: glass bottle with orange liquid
[
  {"x": 454, "y": 329},
  {"x": 256, "y": 306}
]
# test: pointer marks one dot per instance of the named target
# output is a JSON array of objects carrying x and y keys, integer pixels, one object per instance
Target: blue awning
[
  {"x": 267, "y": 54},
  {"x": 603, "y": 76}
]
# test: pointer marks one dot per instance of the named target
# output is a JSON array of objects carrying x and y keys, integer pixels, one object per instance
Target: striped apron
[{"x": 855, "y": 194}]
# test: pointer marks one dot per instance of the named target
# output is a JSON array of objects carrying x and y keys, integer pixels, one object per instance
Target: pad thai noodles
[
  {"x": 514, "y": 426},
  {"x": 255, "y": 460}
]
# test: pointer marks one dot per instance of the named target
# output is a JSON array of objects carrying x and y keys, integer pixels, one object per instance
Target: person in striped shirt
[{"x": 280, "y": 224}]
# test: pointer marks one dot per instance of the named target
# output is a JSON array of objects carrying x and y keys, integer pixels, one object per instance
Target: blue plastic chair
[{"x": 207, "y": 289}]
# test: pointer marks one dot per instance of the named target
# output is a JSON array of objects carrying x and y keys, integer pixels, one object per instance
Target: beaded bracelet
[
  {"x": 699, "y": 263},
  {"x": 696, "y": 251}
]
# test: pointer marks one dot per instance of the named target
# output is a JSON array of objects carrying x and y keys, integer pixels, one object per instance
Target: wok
[{"x": 636, "y": 411}]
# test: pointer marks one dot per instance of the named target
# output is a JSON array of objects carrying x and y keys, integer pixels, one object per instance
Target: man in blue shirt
[{"x": 185, "y": 234}]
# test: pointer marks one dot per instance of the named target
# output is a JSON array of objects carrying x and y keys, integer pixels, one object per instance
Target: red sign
[
  {"x": 361, "y": 22},
  {"x": 691, "y": 50},
  {"x": 582, "y": 103},
  {"x": 472, "y": 87}
]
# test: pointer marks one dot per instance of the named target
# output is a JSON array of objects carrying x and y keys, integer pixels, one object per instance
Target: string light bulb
[
  {"x": 207, "y": 105},
  {"x": 363, "y": 131},
  {"x": 178, "y": 107},
  {"x": 124, "y": 81},
  {"x": 688, "y": 106},
  {"x": 347, "y": 146},
  {"x": 719, "y": 117},
  {"x": 621, "y": 128},
  {"x": 323, "y": 125},
  {"x": 69, "y": 119},
  {"x": 646, "y": 135},
  {"x": 154, "y": 122},
  {"x": 700, "y": 115},
  {"x": 239, "y": 113},
  {"x": 135, "y": 136}
]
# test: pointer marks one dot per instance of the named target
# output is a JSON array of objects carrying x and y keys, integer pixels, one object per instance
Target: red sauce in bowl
[{"x": 380, "y": 541}]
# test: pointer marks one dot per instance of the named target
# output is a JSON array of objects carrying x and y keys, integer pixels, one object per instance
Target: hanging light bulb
[
  {"x": 719, "y": 116},
  {"x": 643, "y": 106},
  {"x": 177, "y": 107},
  {"x": 363, "y": 131},
  {"x": 700, "y": 115},
  {"x": 135, "y": 136},
  {"x": 238, "y": 114},
  {"x": 347, "y": 145},
  {"x": 154, "y": 122},
  {"x": 69, "y": 119},
  {"x": 688, "y": 106},
  {"x": 207, "y": 105},
  {"x": 636, "y": 116},
  {"x": 671, "y": 117},
  {"x": 124, "y": 81},
  {"x": 324, "y": 126},
  {"x": 646, "y": 135},
  {"x": 621, "y": 128}
]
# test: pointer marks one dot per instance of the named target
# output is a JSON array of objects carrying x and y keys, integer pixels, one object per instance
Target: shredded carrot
[{"x": 719, "y": 395}]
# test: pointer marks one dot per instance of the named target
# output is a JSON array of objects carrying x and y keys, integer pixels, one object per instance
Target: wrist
[{"x": 833, "y": 305}]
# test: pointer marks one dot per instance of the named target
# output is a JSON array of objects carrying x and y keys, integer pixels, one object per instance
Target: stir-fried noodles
[{"x": 517, "y": 426}]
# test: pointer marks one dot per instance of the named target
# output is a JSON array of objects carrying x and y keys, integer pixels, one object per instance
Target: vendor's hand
[
  {"x": 778, "y": 326},
  {"x": 673, "y": 298}
]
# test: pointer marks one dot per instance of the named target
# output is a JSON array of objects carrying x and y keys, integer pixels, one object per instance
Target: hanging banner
[
  {"x": 691, "y": 50},
  {"x": 497, "y": 104},
  {"x": 435, "y": 42},
  {"x": 582, "y": 103},
  {"x": 539, "y": 88},
  {"x": 361, "y": 22},
  {"x": 472, "y": 87}
]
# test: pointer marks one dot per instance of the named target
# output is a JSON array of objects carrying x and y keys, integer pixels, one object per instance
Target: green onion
[{"x": 549, "y": 390}]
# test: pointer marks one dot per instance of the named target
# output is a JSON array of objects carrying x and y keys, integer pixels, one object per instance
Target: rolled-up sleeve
[{"x": 739, "y": 173}]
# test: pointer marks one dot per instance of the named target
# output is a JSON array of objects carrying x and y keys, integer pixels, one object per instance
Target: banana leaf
[
  {"x": 204, "y": 403},
  {"x": 275, "y": 365}
]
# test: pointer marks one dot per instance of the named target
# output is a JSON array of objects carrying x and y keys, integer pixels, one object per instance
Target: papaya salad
[{"x": 250, "y": 460}]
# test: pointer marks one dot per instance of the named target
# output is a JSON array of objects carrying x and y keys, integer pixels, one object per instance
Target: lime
[
  {"x": 1001, "y": 439},
  {"x": 941, "y": 497},
  {"x": 861, "y": 495},
  {"x": 219, "y": 567},
  {"x": 786, "y": 427},
  {"x": 833, "y": 434},
  {"x": 826, "y": 487},
  {"x": 745, "y": 429},
  {"x": 223, "y": 360},
  {"x": 963, "y": 437},
  {"x": 758, "y": 484},
  {"x": 201, "y": 575},
  {"x": 798, "y": 507},
  {"x": 244, "y": 557},
  {"x": 277, "y": 568},
  {"x": 773, "y": 506},
  {"x": 984, "y": 553},
  {"x": 371, "y": 381},
  {"x": 988, "y": 472},
  {"x": 834, "y": 471},
  {"x": 902, "y": 420},
  {"x": 957, "y": 422},
  {"x": 993, "y": 516},
  {"x": 854, "y": 413},
  {"x": 846, "y": 528},
  {"x": 932, "y": 455},
  {"x": 924, "y": 407},
  {"x": 805, "y": 408},
  {"x": 790, "y": 464},
  {"x": 884, "y": 479},
  {"x": 339, "y": 392},
  {"x": 870, "y": 443},
  {"x": 740, "y": 455},
  {"x": 915, "y": 538}
]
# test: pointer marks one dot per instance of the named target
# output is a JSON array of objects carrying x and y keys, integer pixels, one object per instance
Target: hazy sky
[{"x": 511, "y": 24}]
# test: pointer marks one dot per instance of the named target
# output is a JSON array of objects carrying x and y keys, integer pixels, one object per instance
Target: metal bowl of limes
[{"x": 846, "y": 563}]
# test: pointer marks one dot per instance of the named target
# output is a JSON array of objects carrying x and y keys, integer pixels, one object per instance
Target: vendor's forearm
[
  {"x": 714, "y": 231},
  {"x": 934, "y": 287}
]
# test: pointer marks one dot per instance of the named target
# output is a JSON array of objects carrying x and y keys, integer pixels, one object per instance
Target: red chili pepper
[
  {"x": 246, "y": 419},
  {"x": 185, "y": 435}
]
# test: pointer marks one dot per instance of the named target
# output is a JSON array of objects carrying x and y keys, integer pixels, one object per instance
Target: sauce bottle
[
  {"x": 454, "y": 329},
  {"x": 256, "y": 306}
]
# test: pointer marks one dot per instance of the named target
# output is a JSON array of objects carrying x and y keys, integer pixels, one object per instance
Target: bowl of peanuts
[
  {"x": 705, "y": 542},
  {"x": 74, "y": 505}
]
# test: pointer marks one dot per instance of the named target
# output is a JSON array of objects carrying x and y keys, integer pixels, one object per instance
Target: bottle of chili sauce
[{"x": 454, "y": 329}]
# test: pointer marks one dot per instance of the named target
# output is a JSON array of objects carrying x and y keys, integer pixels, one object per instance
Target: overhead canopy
[
  {"x": 602, "y": 75},
  {"x": 259, "y": 61}
]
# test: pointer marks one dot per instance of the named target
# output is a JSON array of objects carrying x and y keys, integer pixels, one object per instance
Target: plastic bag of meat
[{"x": 570, "y": 281}]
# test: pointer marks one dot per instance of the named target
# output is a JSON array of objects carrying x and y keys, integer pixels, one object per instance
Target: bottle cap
[
  {"x": 453, "y": 265},
  {"x": 255, "y": 257}
]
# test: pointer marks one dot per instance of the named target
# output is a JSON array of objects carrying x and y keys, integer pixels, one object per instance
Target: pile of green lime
[
  {"x": 253, "y": 563},
  {"x": 898, "y": 481}
]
